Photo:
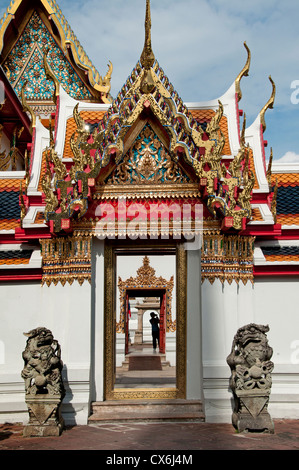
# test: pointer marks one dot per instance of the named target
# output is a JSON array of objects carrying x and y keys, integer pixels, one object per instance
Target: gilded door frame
[{"x": 110, "y": 392}]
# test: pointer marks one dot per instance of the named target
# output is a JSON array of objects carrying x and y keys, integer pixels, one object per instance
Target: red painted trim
[
  {"x": 20, "y": 275},
  {"x": 16, "y": 277},
  {"x": 32, "y": 233},
  {"x": 36, "y": 201},
  {"x": 270, "y": 231},
  {"x": 277, "y": 270},
  {"x": 263, "y": 146},
  {"x": 15, "y": 102},
  {"x": 289, "y": 234},
  {"x": 260, "y": 198}
]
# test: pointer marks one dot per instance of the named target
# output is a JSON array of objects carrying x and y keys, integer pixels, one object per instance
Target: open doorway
[
  {"x": 149, "y": 360},
  {"x": 144, "y": 358},
  {"x": 135, "y": 275}
]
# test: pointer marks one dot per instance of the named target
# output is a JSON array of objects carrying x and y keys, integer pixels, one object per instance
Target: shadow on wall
[{"x": 67, "y": 408}]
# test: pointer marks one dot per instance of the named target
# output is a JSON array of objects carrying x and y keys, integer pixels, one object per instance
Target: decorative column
[
  {"x": 251, "y": 378},
  {"x": 139, "y": 332},
  {"x": 43, "y": 384}
]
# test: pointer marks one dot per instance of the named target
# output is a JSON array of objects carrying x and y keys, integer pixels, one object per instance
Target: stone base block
[
  {"x": 43, "y": 431},
  {"x": 252, "y": 412},
  {"x": 44, "y": 417},
  {"x": 244, "y": 422}
]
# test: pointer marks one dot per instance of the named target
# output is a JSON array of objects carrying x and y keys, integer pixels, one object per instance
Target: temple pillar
[
  {"x": 194, "y": 330},
  {"x": 139, "y": 332}
]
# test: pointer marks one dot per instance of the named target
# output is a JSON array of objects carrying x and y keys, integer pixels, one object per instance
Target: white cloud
[{"x": 288, "y": 157}]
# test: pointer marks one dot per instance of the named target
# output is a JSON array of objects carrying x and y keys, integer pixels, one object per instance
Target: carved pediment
[
  {"x": 148, "y": 166},
  {"x": 147, "y": 162}
]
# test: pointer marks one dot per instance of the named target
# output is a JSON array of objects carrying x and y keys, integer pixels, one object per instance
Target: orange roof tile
[
  {"x": 256, "y": 214},
  {"x": 10, "y": 184},
  {"x": 288, "y": 219},
  {"x": 282, "y": 257},
  {"x": 40, "y": 218},
  {"x": 9, "y": 224},
  {"x": 285, "y": 179},
  {"x": 10, "y": 261}
]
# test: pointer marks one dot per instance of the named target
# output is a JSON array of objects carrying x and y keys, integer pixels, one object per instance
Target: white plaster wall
[
  {"x": 276, "y": 304},
  {"x": 66, "y": 312},
  {"x": 225, "y": 308}
]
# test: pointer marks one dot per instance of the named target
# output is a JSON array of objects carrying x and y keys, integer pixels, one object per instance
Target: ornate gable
[
  {"x": 27, "y": 31},
  {"x": 148, "y": 170},
  {"x": 25, "y": 64},
  {"x": 147, "y": 162}
]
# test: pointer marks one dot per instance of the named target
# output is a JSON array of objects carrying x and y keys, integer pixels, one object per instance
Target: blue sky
[{"x": 199, "y": 44}]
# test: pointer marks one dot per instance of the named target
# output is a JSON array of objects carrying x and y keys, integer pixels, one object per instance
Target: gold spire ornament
[
  {"x": 268, "y": 105},
  {"x": 147, "y": 58},
  {"x": 244, "y": 73}
]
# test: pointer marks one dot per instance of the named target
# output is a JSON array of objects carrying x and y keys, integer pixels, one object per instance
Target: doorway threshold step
[{"x": 146, "y": 410}]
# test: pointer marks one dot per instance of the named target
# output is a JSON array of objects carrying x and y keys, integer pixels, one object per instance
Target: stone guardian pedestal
[
  {"x": 252, "y": 413},
  {"x": 251, "y": 379},
  {"x": 44, "y": 417},
  {"x": 43, "y": 384}
]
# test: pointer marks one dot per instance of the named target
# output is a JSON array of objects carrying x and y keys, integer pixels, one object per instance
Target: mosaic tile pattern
[
  {"x": 9, "y": 205},
  {"x": 15, "y": 257},
  {"x": 281, "y": 253},
  {"x": 147, "y": 162},
  {"x": 287, "y": 197},
  {"x": 25, "y": 62}
]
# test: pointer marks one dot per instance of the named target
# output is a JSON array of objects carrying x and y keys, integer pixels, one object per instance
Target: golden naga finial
[
  {"x": 147, "y": 58},
  {"x": 268, "y": 105},
  {"x": 274, "y": 202},
  {"x": 244, "y": 73},
  {"x": 269, "y": 169},
  {"x": 50, "y": 76},
  {"x": 22, "y": 204}
]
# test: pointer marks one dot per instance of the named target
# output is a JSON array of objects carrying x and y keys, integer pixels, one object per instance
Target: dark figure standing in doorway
[{"x": 155, "y": 329}]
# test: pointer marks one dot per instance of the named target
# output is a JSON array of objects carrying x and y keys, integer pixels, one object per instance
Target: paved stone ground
[{"x": 152, "y": 437}]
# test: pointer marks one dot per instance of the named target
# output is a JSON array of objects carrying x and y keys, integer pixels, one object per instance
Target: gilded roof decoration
[
  {"x": 268, "y": 105},
  {"x": 244, "y": 73},
  {"x": 226, "y": 190},
  {"x": 26, "y": 63},
  {"x": 147, "y": 162},
  {"x": 31, "y": 46}
]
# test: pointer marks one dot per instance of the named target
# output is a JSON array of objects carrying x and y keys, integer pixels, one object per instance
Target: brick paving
[{"x": 153, "y": 437}]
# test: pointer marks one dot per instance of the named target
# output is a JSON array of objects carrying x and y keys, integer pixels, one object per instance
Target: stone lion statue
[
  {"x": 42, "y": 364},
  {"x": 249, "y": 359}
]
